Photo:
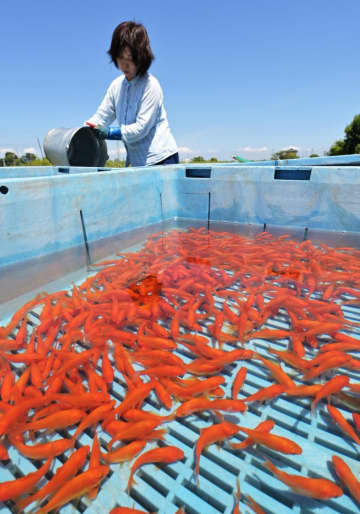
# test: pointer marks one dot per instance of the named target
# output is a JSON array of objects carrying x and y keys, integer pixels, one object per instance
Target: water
[{"x": 196, "y": 272}]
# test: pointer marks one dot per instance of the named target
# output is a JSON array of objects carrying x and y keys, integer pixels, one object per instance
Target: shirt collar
[{"x": 132, "y": 82}]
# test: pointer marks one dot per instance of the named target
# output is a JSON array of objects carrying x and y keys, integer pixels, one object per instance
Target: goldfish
[
  {"x": 131, "y": 431},
  {"x": 14, "y": 488},
  {"x": 343, "y": 424},
  {"x": 238, "y": 382},
  {"x": 94, "y": 462},
  {"x": 330, "y": 363},
  {"x": 124, "y": 453},
  {"x": 196, "y": 387},
  {"x": 166, "y": 454},
  {"x": 347, "y": 477},
  {"x": 94, "y": 417},
  {"x": 237, "y": 495},
  {"x": 200, "y": 404},
  {"x": 267, "y": 393},
  {"x": 275, "y": 442},
  {"x": 318, "y": 488},
  {"x": 263, "y": 426},
  {"x": 253, "y": 505},
  {"x": 133, "y": 398},
  {"x": 277, "y": 372},
  {"x": 57, "y": 420},
  {"x": 41, "y": 450},
  {"x": 139, "y": 309},
  {"x": 75, "y": 488},
  {"x": 210, "y": 435},
  {"x": 64, "y": 473},
  {"x": 334, "y": 385}
]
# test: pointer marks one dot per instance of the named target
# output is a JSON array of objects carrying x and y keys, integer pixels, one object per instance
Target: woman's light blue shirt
[{"x": 138, "y": 107}]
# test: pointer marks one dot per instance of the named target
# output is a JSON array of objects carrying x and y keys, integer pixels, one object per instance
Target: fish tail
[
  {"x": 131, "y": 482},
  {"x": 270, "y": 466},
  {"x": 313, "y": 407}
]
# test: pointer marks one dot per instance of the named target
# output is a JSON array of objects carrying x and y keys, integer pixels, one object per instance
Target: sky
[{"x": 240, "y": 77}]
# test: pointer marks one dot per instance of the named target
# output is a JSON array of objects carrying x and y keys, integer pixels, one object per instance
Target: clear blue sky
[{"x": 239, "y": 76}]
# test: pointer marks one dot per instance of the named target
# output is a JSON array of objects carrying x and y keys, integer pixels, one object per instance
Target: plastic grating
[{"x": 165, "y": 488}]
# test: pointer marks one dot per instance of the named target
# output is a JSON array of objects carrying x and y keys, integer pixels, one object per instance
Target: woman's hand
[
  {"x": 105, "y": 132},
  {"x": 100, "y": 132}
]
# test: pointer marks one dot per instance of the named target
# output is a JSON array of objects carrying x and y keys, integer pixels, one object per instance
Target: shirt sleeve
[
  {"x": 105, "y": 113},
  {"x": 150, "y": 104}
]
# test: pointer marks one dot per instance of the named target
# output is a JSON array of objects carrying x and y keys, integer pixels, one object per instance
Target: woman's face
[{"x": 126, "y": 64}]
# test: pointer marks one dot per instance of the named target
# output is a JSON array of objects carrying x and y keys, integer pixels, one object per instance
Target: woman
[{"x": 135, "y": 100}]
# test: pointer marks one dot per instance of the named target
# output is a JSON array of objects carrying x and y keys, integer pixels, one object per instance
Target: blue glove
[
  {"x": 113, "y": 133},
  {"x": 106, "y": 132}
]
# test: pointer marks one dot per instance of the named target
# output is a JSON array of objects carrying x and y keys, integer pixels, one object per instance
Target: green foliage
[
  {"x": 290, "y": 153},
  {"x": 39, "y": 162},
  {"x": 198, "y": 159},
  {"x": 314, "y": 155},
  {"x": 11, "y": 159},
  {"x": 351, "y": 142},
  {"x": 115, "y": 164},
  {"x": 28, "y": 159},
  {"x": 338, "y": 148}
]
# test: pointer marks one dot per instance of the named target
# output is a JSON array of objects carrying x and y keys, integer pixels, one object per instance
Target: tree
[
  {"x": 28, "y": 157},
  {"x": 314, "y": 155},
  {"x": 198, "y": 159},
  {"x": 289, "y": 153},
  {"x": 213, "y": 159},
  {"x": 351, "y": 142},
  {"x": 11, "y": 159}
]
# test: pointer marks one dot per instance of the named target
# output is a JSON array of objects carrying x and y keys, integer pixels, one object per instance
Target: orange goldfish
[
  {"x": 267, "y": 393},
  {"x": 238, "y": 382},
  {"x": 253, "y": 505},
  {"x": 318, "y": 488},
  {"x": 166, "y": 454},
  {"x": 62, "y": 475},
  {"x": 41, "y": 450},
  {"x": 56, "y": 420},
  {"x": 275, "y": 442},
  {"x": 210, "y": 435},
  {"x": 75, "y": 488},
  {"x": 124, "y": 453},
  {"x": 343, "y": 424},
  {"x": 13, "y": 488},
  {"x": 347, "y": 477},
  {"x": 94, "y": 417},
  {"x": 264, "y": 426},
  {"x": 334, "y": 385},
  {"x": 277, "y": 372}
]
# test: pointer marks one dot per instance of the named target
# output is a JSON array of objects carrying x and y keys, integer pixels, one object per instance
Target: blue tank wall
[{"x": 40, "y": 214}]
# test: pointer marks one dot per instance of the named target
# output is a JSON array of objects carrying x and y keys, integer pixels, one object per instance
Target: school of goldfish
[{"x": 160, "y": 322}]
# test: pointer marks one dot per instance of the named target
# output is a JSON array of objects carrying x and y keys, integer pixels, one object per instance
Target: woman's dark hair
[{"x": 132, "y": 35}]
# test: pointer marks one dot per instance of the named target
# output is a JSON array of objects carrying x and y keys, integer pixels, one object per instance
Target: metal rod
[
  {"x": 209, "y": 209},
  {"x": 305, "y": 234},
  {"x": 161, "y": 208},
  {"x": 41, "y": 152},
  {"x": 87, "y": 251}
]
